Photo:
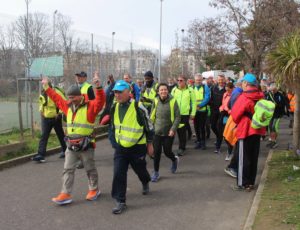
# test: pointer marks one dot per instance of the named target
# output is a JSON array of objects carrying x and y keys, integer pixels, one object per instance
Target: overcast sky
[{"x": 132, "y": 20}]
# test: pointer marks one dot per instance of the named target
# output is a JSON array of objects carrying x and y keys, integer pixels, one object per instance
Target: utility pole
[
  {"x": 112, "y": 51},
  {"x": 160, "y": 34},
  {"x": 182, "y": 51},
  {"x": 92, "y": 55},
  {"x": 54, "y": 13},
  {"x": 27, "y": 59}
]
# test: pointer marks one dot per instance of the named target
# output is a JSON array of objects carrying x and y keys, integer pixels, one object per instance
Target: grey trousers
[{"x": 71, "y": 159}]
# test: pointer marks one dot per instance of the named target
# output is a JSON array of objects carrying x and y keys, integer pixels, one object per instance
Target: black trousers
[
  {"x": 182, "y": 131},
  {"x": 248, "y": 150},
  {"x": 215, "y": 126},
  {"x": 235, "y": 159},
  {"x": 47, "y": 125},
  {"x": 166, "y": 143},
  {"x": 199, "y": 125},
  {"x": 207, "y": 126},
  {"x": 189, "y": 130},
  {"x": 122, "y": 160}
]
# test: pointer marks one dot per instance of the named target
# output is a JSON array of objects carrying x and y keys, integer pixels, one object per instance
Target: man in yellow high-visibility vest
[
  {"x": 132, "y": 135},
  {"x": 80, "y": 138},
  {"x": 50, "y": 118}
]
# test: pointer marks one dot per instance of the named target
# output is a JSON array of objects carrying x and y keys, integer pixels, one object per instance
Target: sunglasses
[{"x": 180, "y": 80}]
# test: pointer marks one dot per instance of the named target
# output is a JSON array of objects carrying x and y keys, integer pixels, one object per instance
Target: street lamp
[
  {"x": 54, "y": 13},
  {"x": 112, "y": 50},
  {"x": 160, "y": 33},
  {"x": 182, "y": 48}
]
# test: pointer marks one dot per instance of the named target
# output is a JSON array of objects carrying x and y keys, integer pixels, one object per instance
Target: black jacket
[
  {"x": 216, "y": 97},
  {"x": 280, "y": 103}
]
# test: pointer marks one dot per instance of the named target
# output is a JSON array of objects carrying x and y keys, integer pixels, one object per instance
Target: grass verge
[
  {"x": 279, "y": 208},
  {"x": 31, "y": 143}
]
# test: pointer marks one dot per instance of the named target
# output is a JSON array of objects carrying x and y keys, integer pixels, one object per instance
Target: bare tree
[
  {"x": 65, "y": 36},
  {"x": 256, "y": 25},
  {"x": 39, "y": 33},
  {"x": 7, "y": 49}
]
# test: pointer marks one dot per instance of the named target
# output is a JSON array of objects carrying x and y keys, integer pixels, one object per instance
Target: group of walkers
[{"x": 144, "y": 118}]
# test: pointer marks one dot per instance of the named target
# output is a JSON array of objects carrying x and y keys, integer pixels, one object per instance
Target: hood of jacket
[{"x": 253, "y": 93}]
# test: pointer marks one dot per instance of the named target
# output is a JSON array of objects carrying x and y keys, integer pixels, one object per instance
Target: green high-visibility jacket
[{"x": 186, "y": 100}]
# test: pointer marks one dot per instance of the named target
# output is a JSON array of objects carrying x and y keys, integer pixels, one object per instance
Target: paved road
[{"x": 197, "y": 197}]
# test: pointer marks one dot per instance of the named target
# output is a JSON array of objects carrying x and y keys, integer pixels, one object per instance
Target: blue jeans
[{"x": 121, "y": 162}]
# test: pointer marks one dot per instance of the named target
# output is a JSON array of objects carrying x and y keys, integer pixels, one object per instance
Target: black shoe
[
  {"x": 61, "y": 155},
  {"x": 39, "y": 158},
  {"x": 119, "y": 208},
  {"x": 145, "y": 189},
  {"x": 198, "y": 146}
]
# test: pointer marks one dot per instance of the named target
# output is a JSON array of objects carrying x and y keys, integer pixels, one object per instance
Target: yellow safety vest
[
  {"x": 84, "y": 89},
  {"x": 129, "y": 132},
  {"x": 263, "y": 114},
  {"x": 80, "y": 126},
  {"x": 172, "y": 103},
  {"x": 199, "y": 93},
  {"x": 151, "y": 95},
  {"x": 47, "y": 106},
  {"x": 186, "y": 100}
]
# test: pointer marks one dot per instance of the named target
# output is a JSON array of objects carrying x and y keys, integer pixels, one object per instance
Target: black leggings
[{"x": 166, "y": 143}]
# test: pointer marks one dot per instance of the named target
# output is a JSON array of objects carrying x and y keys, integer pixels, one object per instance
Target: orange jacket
[{"x": 292, "y": 100}]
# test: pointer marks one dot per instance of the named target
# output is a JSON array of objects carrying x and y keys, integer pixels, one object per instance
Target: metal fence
[{"x": 79, "y": 51}]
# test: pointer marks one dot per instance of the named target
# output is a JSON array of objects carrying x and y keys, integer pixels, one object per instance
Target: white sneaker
[{"x": 228, "y": 157}]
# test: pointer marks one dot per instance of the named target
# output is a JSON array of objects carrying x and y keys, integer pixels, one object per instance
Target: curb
[
  {"x": 254, "y": 207},
  {"x": 24, "y": 159}
]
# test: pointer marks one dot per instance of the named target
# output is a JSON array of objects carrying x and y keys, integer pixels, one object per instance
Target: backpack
[{"x": 263, "y": 114}]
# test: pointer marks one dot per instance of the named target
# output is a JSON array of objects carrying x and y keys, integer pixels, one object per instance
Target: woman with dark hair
[
  {"x": 165, "y": 115},
  {"x": 225, "y": 112}
]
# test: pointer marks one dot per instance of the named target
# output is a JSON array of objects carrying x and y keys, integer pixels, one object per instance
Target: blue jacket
[
  {"x": 234, "y": 95},
  {"x": 206, "y": 95},
  {"x": 137, "y": 91}
]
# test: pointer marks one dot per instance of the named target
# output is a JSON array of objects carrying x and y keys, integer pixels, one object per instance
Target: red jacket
[
  {"x": 241, "y": 111},
  {"x": 94, "y": 106}
]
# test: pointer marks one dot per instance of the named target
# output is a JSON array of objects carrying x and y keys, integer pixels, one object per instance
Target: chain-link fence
[{"x": 36, "y": 45}]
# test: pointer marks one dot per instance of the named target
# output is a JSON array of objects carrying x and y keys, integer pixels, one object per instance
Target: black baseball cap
[{"x": 81, "y": 74}]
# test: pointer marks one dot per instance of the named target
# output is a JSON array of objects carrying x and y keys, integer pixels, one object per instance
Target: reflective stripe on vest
[
  {"x": 199, "y": 93},
  {"x": 172, "y": 111},
  {"x": 292, "y": 99},
  {"x": 263, "y": 114},
  {"x": 129, "y": 132},
  {"x": 80, "y": 126}
]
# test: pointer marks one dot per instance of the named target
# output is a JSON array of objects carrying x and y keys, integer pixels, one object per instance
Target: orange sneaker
[
  {"x": 62, "y": 198},
  {"x": 93, "y": 194}
]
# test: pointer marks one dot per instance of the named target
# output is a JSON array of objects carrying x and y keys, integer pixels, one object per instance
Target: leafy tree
[
  {"x": 249, "y": 26},
  {"x": 284, "y": 63}
]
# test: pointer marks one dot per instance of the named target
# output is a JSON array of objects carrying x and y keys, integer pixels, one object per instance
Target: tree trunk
[{"x": 296, "y": 127}]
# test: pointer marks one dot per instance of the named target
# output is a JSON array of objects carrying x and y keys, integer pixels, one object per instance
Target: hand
[
  {"x": 96, "y": 81},
  {"x": 45, "y": 80},
  {"x": 96, "y": 74},
  {"x": 150, "y": 149},
  {"x": 192, "y": 117},
  {"x": 171, "y": 133}
]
